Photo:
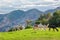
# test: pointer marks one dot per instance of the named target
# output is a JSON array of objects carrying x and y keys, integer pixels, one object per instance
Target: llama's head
[{"x": 47, "y": 25}]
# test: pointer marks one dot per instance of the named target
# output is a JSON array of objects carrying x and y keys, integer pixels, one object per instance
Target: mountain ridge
[{"x": 18, "y": 17}]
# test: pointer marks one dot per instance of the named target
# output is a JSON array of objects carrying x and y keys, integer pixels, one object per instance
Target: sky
[{"x": 7, "y": 6}]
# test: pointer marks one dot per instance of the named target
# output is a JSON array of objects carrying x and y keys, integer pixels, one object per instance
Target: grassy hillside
[{"x": 30, "y": 34}]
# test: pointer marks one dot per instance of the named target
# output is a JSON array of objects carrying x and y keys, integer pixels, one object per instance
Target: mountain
[
  {"x": 33, "y": 14},
  {"x": 18, "y": 17},
  {"x": 52, "y": 10},
  {"x": 11, "y": 19},
  {"x": 2, "y": 16}
]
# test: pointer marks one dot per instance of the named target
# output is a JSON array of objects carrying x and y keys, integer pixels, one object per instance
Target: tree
[
  {"x": 28, "y": 24},
  {"x": 55, "y": 20},
  {"x": 44, "y": 18},
  {"x": 49, "y": 15}
]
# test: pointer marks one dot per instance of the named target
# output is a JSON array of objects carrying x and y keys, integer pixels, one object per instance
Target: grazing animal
[
  {"x": 53, "y": 27},
  {"x": 43, "y": 26},
  {"x": 16, "y": 28},
  {"x": 40, "y": 26},
  {"x": 35, "y": 26}
]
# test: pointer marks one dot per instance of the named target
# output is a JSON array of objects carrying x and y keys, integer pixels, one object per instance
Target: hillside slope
[{"x": 30, "y": 34}]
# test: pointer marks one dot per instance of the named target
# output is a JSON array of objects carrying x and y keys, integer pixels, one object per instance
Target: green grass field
[{"x": 30, "y": 34}]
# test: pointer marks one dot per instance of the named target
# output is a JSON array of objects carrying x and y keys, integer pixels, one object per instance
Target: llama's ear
[{"x": 47, "y": 24}]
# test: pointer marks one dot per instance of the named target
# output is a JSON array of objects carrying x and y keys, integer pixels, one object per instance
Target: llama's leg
[
  {"x": 53, "y": 29},
  {"x": 33, "y": 28},
  {"x": 56, "y": 29},
  {"x": 49, "y": 29},
  {"x": 44, "y": 28},
  {"x": 39, "y": 28}
]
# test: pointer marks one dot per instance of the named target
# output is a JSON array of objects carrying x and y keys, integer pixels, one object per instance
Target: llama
[
  {"x": 43, "y": 26},
  {"x": 18, "y": 27},
  {"x": 53, "y": 27},
  {"x": 35, "y": 26},
  {"x": 40, "y": 26}
]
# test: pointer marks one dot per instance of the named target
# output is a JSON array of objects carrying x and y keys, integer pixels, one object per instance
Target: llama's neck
[{"x": 47, "y": 25}]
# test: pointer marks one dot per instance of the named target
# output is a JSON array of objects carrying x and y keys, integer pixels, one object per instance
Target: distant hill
[
  {"x": 52, "y": 10},
  {"x": 33, "y": 14},
  {"x": 18, "y": 17}
]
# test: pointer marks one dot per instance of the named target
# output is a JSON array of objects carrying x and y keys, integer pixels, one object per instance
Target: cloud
[
  {"x": 28, "y": 4},
  {"x": 14, "y": 3}
]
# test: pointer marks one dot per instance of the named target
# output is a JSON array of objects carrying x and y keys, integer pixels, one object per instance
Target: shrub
[{"x": 28, "y": 27}]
